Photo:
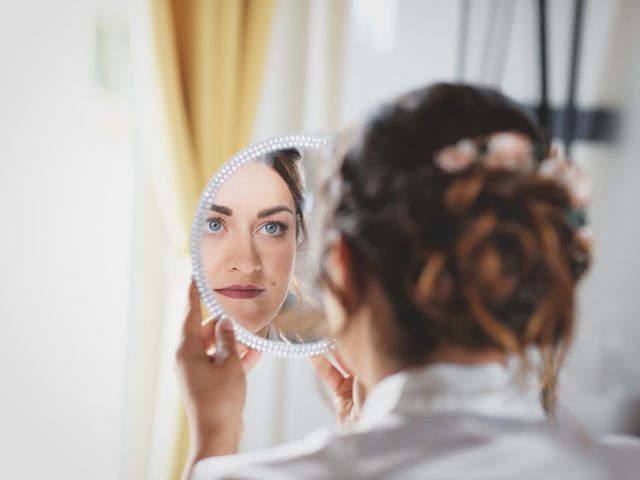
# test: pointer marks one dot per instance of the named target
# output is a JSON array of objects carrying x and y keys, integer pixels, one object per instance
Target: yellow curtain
[{"x": 210, "y": 56}]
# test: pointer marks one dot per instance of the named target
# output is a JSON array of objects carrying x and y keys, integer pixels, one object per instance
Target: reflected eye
[
  {"x": 273, "y": 229},
  {"x": 214, "y": 225}
]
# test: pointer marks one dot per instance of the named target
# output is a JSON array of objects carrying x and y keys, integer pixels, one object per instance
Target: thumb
[{"x": 225, "y": 341}]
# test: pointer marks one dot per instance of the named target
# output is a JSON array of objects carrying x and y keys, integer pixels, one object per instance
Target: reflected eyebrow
[
  {"x": 221, "y": 209},
  {"x": 270, "y": 211}
]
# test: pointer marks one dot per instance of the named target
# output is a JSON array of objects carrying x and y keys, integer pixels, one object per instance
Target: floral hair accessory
[
  {"x": 512, "y": 151},
  {"x": 571, "y": 176},
  {"x": 457, "y": 157},
  {"x": 515, "y": 151},
  {"x": 575, "y": 180}
]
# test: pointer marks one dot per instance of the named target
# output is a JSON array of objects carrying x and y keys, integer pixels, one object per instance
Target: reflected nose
[{"x": 244, "y": 257}]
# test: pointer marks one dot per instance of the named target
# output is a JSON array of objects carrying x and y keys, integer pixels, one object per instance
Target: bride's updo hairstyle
[{"x": 471, "y": 251}]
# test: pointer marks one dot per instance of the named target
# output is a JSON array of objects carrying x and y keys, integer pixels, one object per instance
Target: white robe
[{"x": 444, "y": 421}]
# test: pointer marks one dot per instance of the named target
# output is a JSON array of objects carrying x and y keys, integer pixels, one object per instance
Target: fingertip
[
  {"x": 192, "y": 325},
  {"x": 224, "y": 331},
  {"x": 226, "y": 325},
  {"x": 194, "y": 295}
]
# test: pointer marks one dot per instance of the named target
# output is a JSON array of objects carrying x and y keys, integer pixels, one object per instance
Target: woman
[
  {"x": 251, "y": 236},
  {"x": 451, "y": 261}
]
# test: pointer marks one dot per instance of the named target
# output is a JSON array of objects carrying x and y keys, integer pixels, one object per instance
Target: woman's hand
[
  {"x": 213, "y": 386},
  {"x": 348, "y": 393},
  {"x": 248, "y": 356}
]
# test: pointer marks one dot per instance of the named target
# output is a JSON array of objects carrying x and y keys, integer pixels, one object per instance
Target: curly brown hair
[{"x": 483, "y": 259}]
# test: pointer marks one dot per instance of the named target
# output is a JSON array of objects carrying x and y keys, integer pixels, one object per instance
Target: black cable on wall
[
  {"x": 570, "y": 112},
  {"x": 543, "y": 109}
]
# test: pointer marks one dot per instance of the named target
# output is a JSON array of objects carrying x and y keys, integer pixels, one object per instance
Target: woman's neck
[
  {"x": 447, "y": 354},
  {"x": 264, "y": 331},
  {"x": 455, "y": 354}
]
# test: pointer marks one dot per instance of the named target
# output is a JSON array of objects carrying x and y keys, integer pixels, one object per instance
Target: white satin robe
[{"x": 444, "y": 421}]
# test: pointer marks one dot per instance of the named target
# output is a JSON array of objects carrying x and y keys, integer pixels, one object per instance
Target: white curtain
[{"x": 301, "y": 94}]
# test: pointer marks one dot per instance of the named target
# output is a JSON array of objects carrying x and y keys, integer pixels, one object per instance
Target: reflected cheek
[
  {"x": 278, "y": 265},
  {"x": 212, "y": 259}
]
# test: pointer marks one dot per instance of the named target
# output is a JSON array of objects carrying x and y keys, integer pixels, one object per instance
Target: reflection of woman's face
[{"x": 249, "y": 245}]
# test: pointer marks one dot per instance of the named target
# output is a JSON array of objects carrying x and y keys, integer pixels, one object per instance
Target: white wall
[{"x": 66, "y": 196}]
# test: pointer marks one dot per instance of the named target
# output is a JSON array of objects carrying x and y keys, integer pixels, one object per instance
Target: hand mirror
[{"x": 250, "y": 247}]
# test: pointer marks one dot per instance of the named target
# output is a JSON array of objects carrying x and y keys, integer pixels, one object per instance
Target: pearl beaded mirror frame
[{"x": 255, "y": 152}]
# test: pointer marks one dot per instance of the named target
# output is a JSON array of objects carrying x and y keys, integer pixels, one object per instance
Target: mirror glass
[{"x": 251, "y": 247}]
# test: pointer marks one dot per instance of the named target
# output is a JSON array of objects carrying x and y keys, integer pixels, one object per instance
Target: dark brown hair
[
  {"x": 482, "y": 259},
  {"x": 286, "y": 163}
]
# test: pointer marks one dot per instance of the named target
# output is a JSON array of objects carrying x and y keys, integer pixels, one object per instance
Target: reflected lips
[{"x": 240, "y": 291}]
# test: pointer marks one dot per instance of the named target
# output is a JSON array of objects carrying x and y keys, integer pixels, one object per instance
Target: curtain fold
[
  {"x": 301, "y": 93},
  {"x": 210, "y": 59},
  {"x": 199, "y": 70}
]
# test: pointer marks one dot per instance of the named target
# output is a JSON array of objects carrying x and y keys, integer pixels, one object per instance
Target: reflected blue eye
[
  {"x": 214, "y": 225},
  {"x": 273, "y": 228}
]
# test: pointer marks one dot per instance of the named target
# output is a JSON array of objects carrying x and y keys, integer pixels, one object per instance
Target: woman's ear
[{"x": 340, "y": 267}]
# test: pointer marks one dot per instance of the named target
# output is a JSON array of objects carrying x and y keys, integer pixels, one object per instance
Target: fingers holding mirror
[{"x": 250, "y": 246}]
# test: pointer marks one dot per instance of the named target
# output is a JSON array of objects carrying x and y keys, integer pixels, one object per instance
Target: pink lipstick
[{"x": 240, "y": 291}]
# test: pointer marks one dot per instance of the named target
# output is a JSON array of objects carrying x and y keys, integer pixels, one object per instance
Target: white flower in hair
[
  {"x": 510, "y": 150},
  {"x": 577, "y": 183},
  {"x": 456, "y": 158},
  {"x": 515, "y": 151},
  {"x": 572, "y": 176}
]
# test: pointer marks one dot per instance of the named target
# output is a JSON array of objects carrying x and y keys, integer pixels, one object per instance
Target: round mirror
[{"x": 250, "y": 247}]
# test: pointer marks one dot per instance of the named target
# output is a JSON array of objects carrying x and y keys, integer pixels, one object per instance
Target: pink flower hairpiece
[
  {"x": 512, "y": 151},
  {"x": 515, "y": 152}
]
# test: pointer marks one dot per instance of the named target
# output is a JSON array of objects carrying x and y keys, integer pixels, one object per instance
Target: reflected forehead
[{"x": 254, "y": 186}]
